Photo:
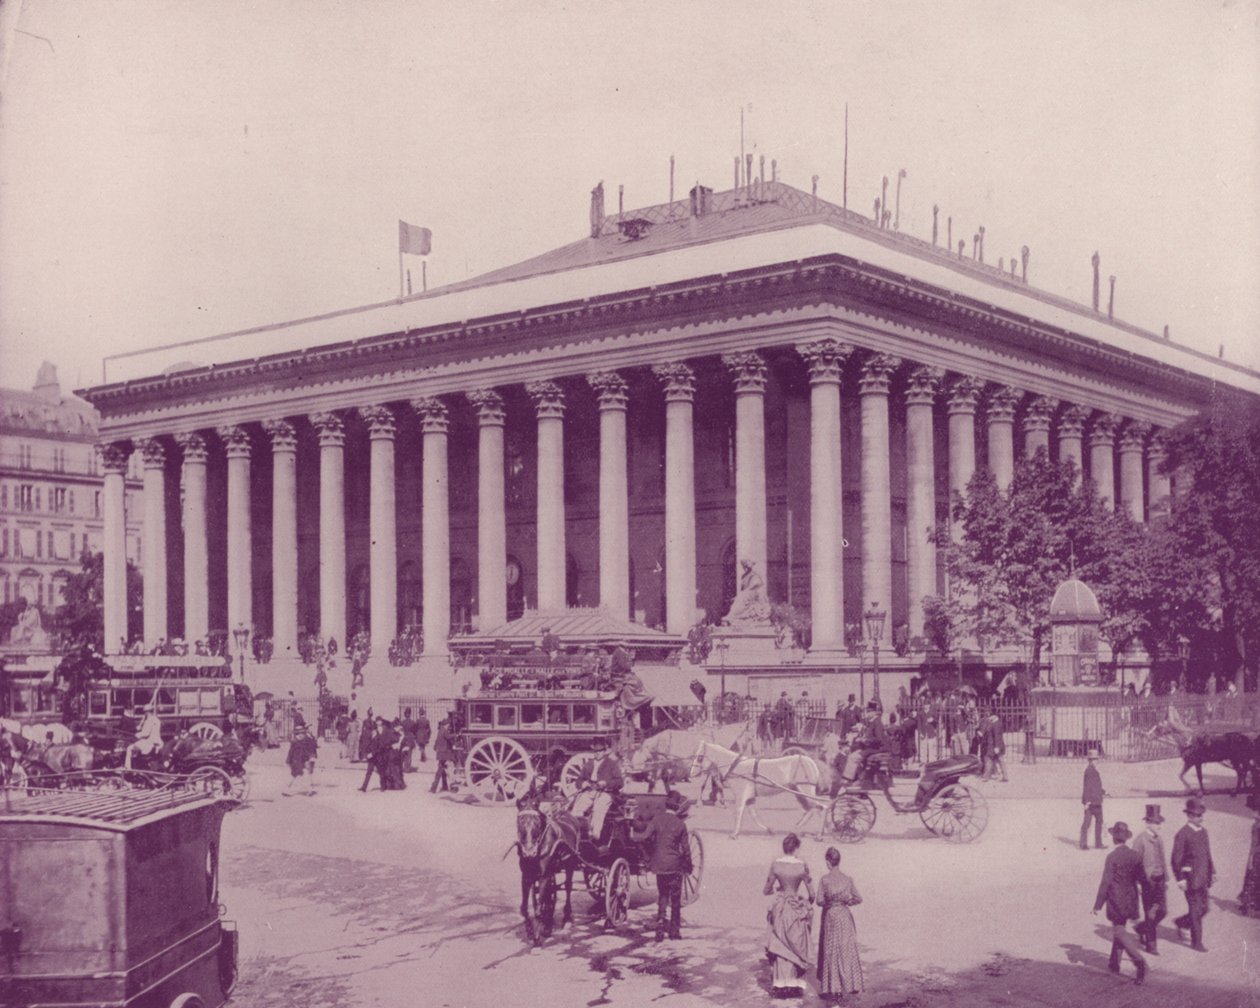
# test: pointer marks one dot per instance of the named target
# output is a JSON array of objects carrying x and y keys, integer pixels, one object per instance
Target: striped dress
[{"x": 839, "y": 968}]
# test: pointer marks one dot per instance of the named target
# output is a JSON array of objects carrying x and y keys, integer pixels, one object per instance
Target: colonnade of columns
[{"x": 825, "y": 361}]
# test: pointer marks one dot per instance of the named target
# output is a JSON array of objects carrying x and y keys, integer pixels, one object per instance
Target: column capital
[
  {"x": 1072, "y": 420},
  {"x": 490, "y": 412},
  {"x": 283, "y": 435},
  {"x": 611, "y": 388},
  {"x": 435, "y": 418},
  {"x": 1102, "y": 431},
  {"x": 1134, "y": 435},
  {"x": 922, "y": 385},
  {"x": 825, "y": 359},
  {"x": 1002, "y": 403},
  {"x": 193, "y": 445},
  {"x": 382, "y": 424},
  {"x": 235, "y": 439},
  {"x": 548, "y": 399},
  {"x": 1038, "y": 412},
  {"x": 114, "y": 456},
  {"x": 154, "y": 453},
  {"x": 963, "y": 393},
  {"x": 748, "y": 371},
  {"x": 876, "y": 374},
  {"x": 1157, "y": 447},
  {"x": 330, "y": 428},
  {"x": 678, "y": 380}
]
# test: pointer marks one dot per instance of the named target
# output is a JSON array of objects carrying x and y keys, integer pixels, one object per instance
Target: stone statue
[
  {"x": 750, "y": 607},
  {"x": 29, "y": 630}
]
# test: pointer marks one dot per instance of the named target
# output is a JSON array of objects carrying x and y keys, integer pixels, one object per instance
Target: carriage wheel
[
  {"x": 594, "y": 879},
  {"x": 617, "y": 893},
  {"x": 851, "y": 817},
  {"x": 240, "y": 786},
  {"x": 571, "y": 775},
  {"x": 691, "y": 882},
  {"x": 498, "y": 769},
  {"x": 212, "y": 780},
  {"x": 794, "y": 750},
  {"x": 957, "y": 813},
  {"x": 205, "y": 730}
]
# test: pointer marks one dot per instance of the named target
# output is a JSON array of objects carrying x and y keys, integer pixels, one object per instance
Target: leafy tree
[{"x": 81, "y": 618}]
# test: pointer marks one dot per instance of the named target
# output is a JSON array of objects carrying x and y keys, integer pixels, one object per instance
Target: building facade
[{"x": 754, "y": 375}]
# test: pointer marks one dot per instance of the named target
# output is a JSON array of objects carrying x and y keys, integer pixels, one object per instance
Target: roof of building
[
  {"x": 573, "y": 627},
  {"x": 1074, "y": 601},
  {"x": 44, "y": 410}
]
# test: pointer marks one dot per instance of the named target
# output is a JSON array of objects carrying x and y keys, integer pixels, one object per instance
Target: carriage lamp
[
  {"x": 874, "y": 618},
  {"x": 241, "y": 636}
]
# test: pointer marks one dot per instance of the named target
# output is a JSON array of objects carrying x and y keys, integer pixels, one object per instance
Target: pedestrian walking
[
  {"x": 994, "y": 748},
  {"x": 301, "y": 759},
  {"x": 669, "y": 858},
  {"x": 377, "y": 743},
  {"x": 410, "y": 741},
  {"x": 839, "y": 966},
  {"x": 341, "y": 725},
  {"x": 423, "y": 733},
  {"x": 1092, "y": 795},
  {"x": 1193, "y": 869},
  {"x": 790, "y": 916},
  {"x": 353, "y": 730},
  {"x": 1249, "y": 898},
  {"x": 1149, "y": 846},
  {"x": 1118, "y": 892},
  {"x": 367, "y": 736},
  {"x": 443, "y": 753}
]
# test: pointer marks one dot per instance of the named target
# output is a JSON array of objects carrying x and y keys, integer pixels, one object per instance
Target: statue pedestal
[{"x": 745, "y": 646}]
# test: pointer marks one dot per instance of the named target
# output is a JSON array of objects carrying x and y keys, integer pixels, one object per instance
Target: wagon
[{"x": 111, "y": 898}]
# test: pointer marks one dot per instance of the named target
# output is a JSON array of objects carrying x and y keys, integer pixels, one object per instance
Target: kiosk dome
[{"x": 1075, "y": 602}]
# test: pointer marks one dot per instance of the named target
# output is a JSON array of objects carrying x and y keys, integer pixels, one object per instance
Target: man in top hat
[
  {"x": 1192, "y": 868},
  {"x": 603, "y": 774},
  {"x": 848, "y": 715},
  {"x": 871, "y": 739},
  {"x": 1092, "y": 795},
  {"x": 994, "y": 748},
  {"x": 1118, "y": 891},
  {"x": 1149, "y": 846},
  {"x": 668, "y": 844}
]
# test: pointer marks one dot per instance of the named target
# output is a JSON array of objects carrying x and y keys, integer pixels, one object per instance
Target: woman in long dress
[
  {"x": 839, "y": 967},
  {"x": 790, "y": 916},
  {"x": 1249, "y": 898}
]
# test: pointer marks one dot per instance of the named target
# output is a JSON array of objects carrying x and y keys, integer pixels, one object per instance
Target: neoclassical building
[{"x": 747, "y": 375}]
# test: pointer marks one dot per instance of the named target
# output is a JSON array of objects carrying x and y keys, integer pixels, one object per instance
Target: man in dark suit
[
  {"x": 848, "y": 715},
  {"x": 1149, "y": 846},
  {"x": 668, "y": 850},
  {"x": 444, "y": 753},
  {"x": 1092, "y": 795},
  {"x": 1192, "y": 868},
  {"x": 1118, "y": 891}
]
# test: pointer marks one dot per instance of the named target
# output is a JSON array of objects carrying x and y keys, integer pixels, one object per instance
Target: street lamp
[
  {"x": 241, "y": 636},
  {"x": 1183, "y": 652},
  {"x": 874, "y": 618},
  {"x": 722, "y": 645}
]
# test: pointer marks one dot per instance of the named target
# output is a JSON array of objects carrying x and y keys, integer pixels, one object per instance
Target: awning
[{"x": 669, "y": 685}]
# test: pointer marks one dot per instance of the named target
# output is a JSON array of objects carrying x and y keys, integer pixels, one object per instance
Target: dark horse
[
  {"x": 1234, "y": 749},
  {"x": 542, "y": 852}
]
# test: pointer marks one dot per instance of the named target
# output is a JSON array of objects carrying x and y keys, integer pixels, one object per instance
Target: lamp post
[
  {"x": 722, "y": 645},
  {"x": 874, "y": 618},
  {"x": 241, "y": 636}
]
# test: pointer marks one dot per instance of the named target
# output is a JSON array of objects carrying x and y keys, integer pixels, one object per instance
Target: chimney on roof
[
  {"x": 815, "y": 184},
  {"x": 774, "y": 170},
  {"x": 1001, "y": 265},
  {"x": 621, "y": 201},
  {"x": 1167, "y": 334},
  {"x": 700, "y": 200},
  {"x": 1111, "y": 298},
  {"x": 975, "y": 246},
  {"x": 1012, "y": 267},
  {"x": 962, "y": 247},
  {"x": 1221, "y": 352},
  {"x": 949, "y": 233},
  {"x": 887, "y": 219},
  {"x": 883, "y": 199},
  {"x": 671, "y": 178},
  {"x": 1096, "y": 260},
  {"x": 46, "y": 384},
  {"x": 597, "y": 210},
  {"x": 736, "y": 185},
  {"x": 982, "y": 243},
  {"x": 1023, "y": 256},
  {"x": 878, "y": 216},
  {"x": 748, "y": 178},
  {"x": 935, "y": 223}
]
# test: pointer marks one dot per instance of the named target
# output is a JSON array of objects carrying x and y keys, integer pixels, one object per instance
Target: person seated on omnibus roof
[{"x": 148, "y": 737}]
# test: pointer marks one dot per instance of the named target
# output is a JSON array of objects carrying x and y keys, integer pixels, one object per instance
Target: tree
[{"x": 81, "y": 617}]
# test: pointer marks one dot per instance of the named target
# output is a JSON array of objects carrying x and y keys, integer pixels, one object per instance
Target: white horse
[{"x": 796, "y": 774}]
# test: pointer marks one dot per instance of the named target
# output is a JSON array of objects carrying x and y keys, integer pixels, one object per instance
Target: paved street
[{"x": 405, "y": 898}]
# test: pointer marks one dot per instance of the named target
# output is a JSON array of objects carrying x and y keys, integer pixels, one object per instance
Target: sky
[{"x": 172, "y": 170}]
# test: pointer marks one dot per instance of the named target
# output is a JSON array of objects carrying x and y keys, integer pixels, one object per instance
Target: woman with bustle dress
[
  {"x": 839, "y": 967},
  {"x": 790, "y": 915}
]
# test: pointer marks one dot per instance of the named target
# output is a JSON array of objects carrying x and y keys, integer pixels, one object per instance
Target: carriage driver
[
  {"x": 871, "y": 738},
  {"x": 601, "y": 785},
  {"x": 148, "y": 737}
]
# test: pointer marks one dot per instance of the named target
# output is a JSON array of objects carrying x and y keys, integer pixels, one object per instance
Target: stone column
[
  {"x": 748, "y": 370},
  {"x": 114, "y": 458},
  {"x": 877, "y": 371},
  {"x": 1037, "y": 424},
  {"x": 1132, "y": 444},
  {"x": 679, "y": 383},
  {"x": 284, "y": 553},
  {"x": 196, "y": 563},
  {"x": 154, "y": 454},
  {"x": 921, "y": 389},
  {"x": 1001, "y": 420},
  {"x": 332, "y": 527},
  {"x": 614, "y": 501},
  {"x": 382, "y": 527},
  {"x": 435, "y": 526},
  {"x": 549, "y": 406},
  {"x": 1102, "y": 463},
  {"x": 962, "y": 396},
  {"x": 1158, "y": 484},
  {"x": 825, "y": 359},
  {"x": 1071, "y": 435},
  {"x": 240, "y": 585},
  {"x": 491, "y": 516}
]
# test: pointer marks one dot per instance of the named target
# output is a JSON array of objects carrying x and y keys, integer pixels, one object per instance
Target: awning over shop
[{"x": 668, "y": 684}]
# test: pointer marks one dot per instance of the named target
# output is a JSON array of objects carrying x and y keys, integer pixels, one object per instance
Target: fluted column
[
  {"x": 1071, "y": 435},
  {"x": 491, "y": 516},
  {"x": 114, "y": 456},
  {"x": 196, "y": 565},
  {"x": 1102, "y": 464},
  {"x": 1158, "y": 484},
  {"x": 435, "y": 525},
  {"x": 679, "y": 383},
  {"x": 614, "y": 502},
  {"x": 876, "y": 482},
  {"x": 921, "y": 389},
  {"x": 549, "y": 406},
  {"x": 962, "y": 396},
  {"x": 825, "y": 360},
  {"x": 1001, "y": 422},
  {"x": 332, "y": 527},
  {"x": 1132, "y": 445},
  {"x": 284, "y": 553},
  {"x": 154, "y": 454},
  {"x": 748, "y": 371},
  {"x": 240, "y": 605},
  {"x": 1037, "y": 416},
  {"x": 382, "y": 527}
]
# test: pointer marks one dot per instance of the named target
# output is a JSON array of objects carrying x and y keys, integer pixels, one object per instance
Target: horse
[
  {"x": 540, "y": 853},
  {"x": 1234, "y": 749},
  {"x": 667, "y": 755},
  {"x": 797, "y": 774}
]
